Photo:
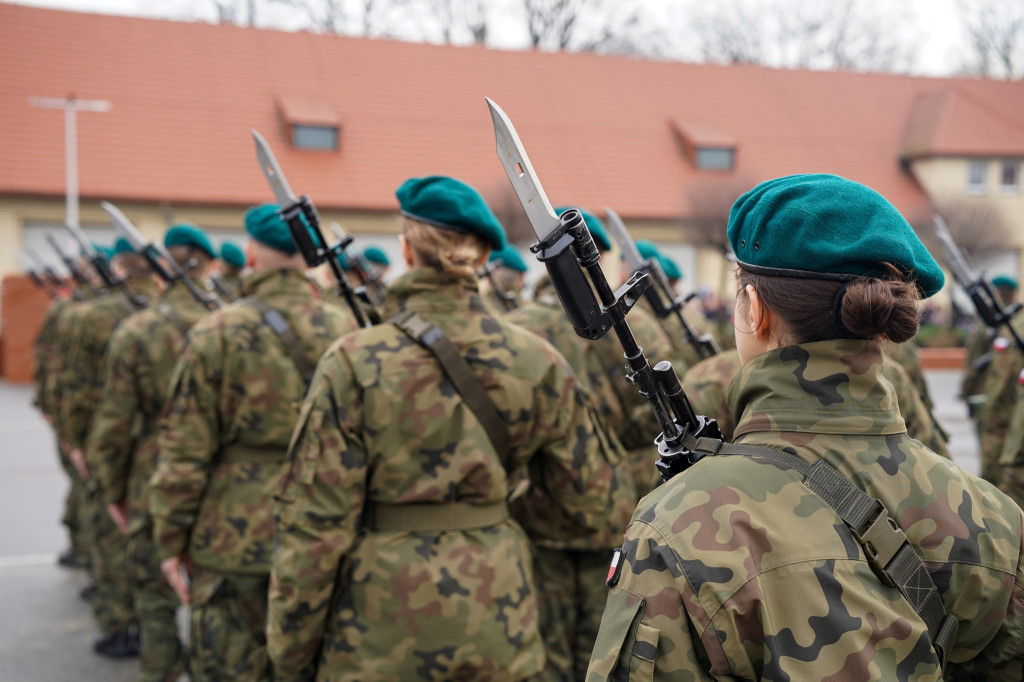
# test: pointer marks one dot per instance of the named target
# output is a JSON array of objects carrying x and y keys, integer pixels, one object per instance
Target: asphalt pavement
[{"x": 46, "y": 631}]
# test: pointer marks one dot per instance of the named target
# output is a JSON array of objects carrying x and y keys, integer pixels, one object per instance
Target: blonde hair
[{"x": 446, "y": 250}]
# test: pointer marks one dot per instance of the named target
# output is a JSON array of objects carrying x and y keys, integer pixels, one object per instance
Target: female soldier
[
  {"x": 396, "y": 555},
  {"x": 740, "y": 568}
]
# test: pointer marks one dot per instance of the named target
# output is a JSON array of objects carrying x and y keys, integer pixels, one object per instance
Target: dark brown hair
[
  {"x": 871, "y": 308},
  {"x": 183, "y": 254}
]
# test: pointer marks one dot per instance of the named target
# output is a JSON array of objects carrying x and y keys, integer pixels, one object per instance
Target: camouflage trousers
[
  {"x": 162, "y": 658},
  {"x": 73, "y": 521},
  {"x": 572, "y": 595},
  {"x": 991, "y": 444},
  {"x": 229, "y": 617},
  {"x": 112, "y": 606}
]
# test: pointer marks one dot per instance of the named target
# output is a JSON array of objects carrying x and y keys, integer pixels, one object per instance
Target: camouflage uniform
[
  {"x": 82, "y": 388},
  {"x": 231, "y": 412},
  {"x": 979, "y": 349},
  {"x": 140, "y": 361},
  {"x": 736, "y": 569},
  {"x": 1001, "y": 389},
  {"x": 382, "y": 428},
  {"x": 674, "y": 331},
  {"x": 707, "y": 384},
  {"x": 569, "y": 580},
  {"x": 907, "y": 356}
]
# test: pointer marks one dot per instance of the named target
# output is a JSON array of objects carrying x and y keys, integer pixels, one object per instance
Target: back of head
[
  {"x": 128, "y": 263},
  {"x": 272, "y": 244},
  {"x": 190, "y": 248},
  {"x": 831, "y": 258},
  {"x": 448, "y": 224}
]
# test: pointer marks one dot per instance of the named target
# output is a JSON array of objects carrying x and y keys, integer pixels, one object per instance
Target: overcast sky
[{"x": 937, "y": 26}]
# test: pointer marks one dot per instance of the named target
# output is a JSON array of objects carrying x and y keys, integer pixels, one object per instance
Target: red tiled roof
[
  {"x": 953, "y": 120},
  {"x": 185, "y": 95}
]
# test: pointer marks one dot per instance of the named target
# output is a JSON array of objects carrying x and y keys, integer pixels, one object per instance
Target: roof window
[
  {"x": 705, "y": 146},
  {"x": 311, "y": 122}
]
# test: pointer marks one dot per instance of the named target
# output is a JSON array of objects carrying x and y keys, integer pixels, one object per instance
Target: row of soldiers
[{"x": 195, "y": 442}]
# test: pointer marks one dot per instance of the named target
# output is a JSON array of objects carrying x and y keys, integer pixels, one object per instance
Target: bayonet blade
[
  {"x": 339, "y": 233},
  {"x": 630, "y": 252},
  {"x": 124, "y": 226},
  {"x": 521, "y": 174},
  {"x": 955, "y": 258},
  {"x": 282, "y": 192},
  {"x": 83, "y": 242}
]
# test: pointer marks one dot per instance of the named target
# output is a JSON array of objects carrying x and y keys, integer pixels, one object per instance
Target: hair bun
[{"x": 873, "y": 308}]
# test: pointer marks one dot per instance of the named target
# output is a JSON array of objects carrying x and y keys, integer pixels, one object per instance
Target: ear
[
  {"x": 407, "y": 254},
  {"x": 482, "y": 259},
  {"x": 759, "y": 317},
  {"x": 250, "y": 260}
]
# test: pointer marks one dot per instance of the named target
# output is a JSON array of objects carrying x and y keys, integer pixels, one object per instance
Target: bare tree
[
  {"x": 831, "y": 34},
  {"x": 710, "y": 199},
  {"x": 976, "y": 224},
  {"x": 460, "y": 20},
  {"x": 995, "y": 34},
  {"x": 240, "y": 12}
]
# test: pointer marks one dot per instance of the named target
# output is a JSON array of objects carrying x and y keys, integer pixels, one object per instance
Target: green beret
[
  {"x": 265, "y": 226},
  {"x": 375, "y": 254},
  {"x": 668, "y": 266},
  {"x": 450, "y": 204},
  {"x": 184, "y": 234},
  {"x": 510, "y": 258},
  {"x": 103, "y": 250},
  {"x": 827, "y": 227},
  {"x": 1004, "y": 282},
  {"x": 122, "y": 246},
  {"x": 595, "y": 226},
  {"x": 232, "y": 254}
]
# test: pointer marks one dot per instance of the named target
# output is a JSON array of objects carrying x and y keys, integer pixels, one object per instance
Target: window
[
  {"x": 314, "y": 137},
  {"x": 976, "y": 172},
  {"x": 714, "y": 158},
  {"x": 1010, "y": 177}
]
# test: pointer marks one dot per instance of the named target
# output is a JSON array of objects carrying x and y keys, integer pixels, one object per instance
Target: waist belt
[
  {"x": 254, "y": 454},
  {"x": 433, "y": 517}
]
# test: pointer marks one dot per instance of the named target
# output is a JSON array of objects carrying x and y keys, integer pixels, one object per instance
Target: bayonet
[
  {"x": 160, "y": 261},
  {"x": 70, "y": 263},
  {"x": 705, "y": 345},
  {"x": 304, "y": 225},
  {"x": 372, "y": 289},
  {"x": 48, "y": 288},
  {"x": 567, "y": 249},
  {"x": 101, "y": 264},
  {"x": 55, "y": 280},
  {"x": 221, "y": 289},
  {"x": 977, "y": 288}
]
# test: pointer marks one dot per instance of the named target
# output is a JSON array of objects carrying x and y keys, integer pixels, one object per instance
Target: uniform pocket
[
  {"x": 625, "y": 648},
  {"x": 304, "y": 455}
]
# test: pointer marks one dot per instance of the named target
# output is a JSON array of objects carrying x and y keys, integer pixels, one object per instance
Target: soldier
[
  {"x": 508, "y": 273},
  {"x": 141, "y": 357},
  {"x": 980, "y": 352},
  {"x": 707, "y": 384},
  {"x": 396, "y": 557},
  {"x": 231, "y": 412},
  {"x": 737, "y": 568},
  {"x": 82, "y": 388},
  {"x": 227, "y": 280},
  {"x": 570, "y": 572},
  {"x": 1001, "y": 388},
  {"x": 378, "y": 260}
]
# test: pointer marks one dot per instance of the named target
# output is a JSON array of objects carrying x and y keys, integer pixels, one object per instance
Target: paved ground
[{"x": 46, "y": 632}]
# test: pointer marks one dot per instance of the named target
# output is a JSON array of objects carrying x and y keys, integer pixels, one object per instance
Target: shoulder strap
[
  {"x": 885, "y": 545},
  {"x": 172, "y": 316},
  {"x": 292, "y": 345},
  {"x": 461, "y": 376}
]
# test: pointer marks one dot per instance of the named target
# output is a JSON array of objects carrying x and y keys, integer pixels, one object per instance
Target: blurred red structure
[{"x": 22, "y": 307}]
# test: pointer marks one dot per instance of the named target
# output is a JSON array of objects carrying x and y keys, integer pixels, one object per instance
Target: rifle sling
[
  {"x": 459, "y": 373},
  {"x": 885, "y": 545},
  {"x": 284, "y": 332}
]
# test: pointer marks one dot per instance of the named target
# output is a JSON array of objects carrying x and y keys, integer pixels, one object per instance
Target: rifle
[
  {"x": 705, "y": 345},
  {"x": 976, "y": 287},
  {"x": 71, "y": 264},
  {"x": 508, "y": 299},
  {"x": 304, "y": 225},
  {"x": 168, "y": 269},
  {"x": 372, "y": 289},
  {"x": 101, "y": 265},
  {"x": 51, "y": 276},
  {"x": 567, "y": 249},
  {"x": 50, "y": 287},
  {"x": 220, "y": 288}
]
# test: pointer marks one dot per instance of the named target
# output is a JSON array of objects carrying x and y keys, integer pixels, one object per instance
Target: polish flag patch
[
  {"x": 1020, "y": 378},
  {"x": 1000, "y": 344},
  {"x": 615, "y": 570}
]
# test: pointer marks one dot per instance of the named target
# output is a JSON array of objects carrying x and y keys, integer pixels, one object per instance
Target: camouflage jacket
[
  {"x": 736, "y": 569},
  {"x": 382, "y": 425},
  {"x": 1002, "y": 389},
  {"x": 140, "y": 360},
  {"x": 52, "y": 390},
  {"x": 232, "y": 409},
  {"x": 979, "y": 347},
  {"x": 82, "y": 374},
  {"x": 45, "y": 352},
  {"x": 707, "y": 383},
  {"x": 906, "y": 354},
  {"x": 600, "y": 366}
]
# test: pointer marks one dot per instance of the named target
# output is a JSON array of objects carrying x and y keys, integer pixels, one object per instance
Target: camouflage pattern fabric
[
  {"x": 112, "y": 606},
  {"x": 675, "y": 334},
  {"x": 706, "y": 384},
  {"x": 906, "y": 354},
  {"x": 1002, "y": 388},
  {"x": 735, "y": 569},
  {"x": 227, "y": 619},
  {"x": 45, "y": 350},
  {"x": 382, "y": 425},
  {"x": 235, "y": 390},
  {"x": 978, "y": 345},
  {"x": 567, "y": 605},
  {"x": 140, "y": 360},
  {"x": 921, "y": 423}
]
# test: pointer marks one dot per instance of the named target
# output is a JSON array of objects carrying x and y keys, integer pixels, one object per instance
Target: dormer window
[
  {"x": 311, "y": 122},
  {"x": 707, "y": 147}
]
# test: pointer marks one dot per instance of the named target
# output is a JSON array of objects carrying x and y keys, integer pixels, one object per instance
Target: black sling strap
[
  {"x": 461, "y": 376},
  {"x": 886, "y": 547},
  {"x": 292, "y": 345}
]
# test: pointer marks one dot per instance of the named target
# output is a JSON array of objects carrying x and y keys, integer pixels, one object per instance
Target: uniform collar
[
  {"x": 833, "y": 387},
  {"x": 429, "y": 290},
  {"x": 277, "y": 281}
]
